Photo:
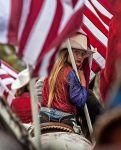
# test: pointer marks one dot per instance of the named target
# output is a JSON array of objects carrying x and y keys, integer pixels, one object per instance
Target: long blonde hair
[{"x": 62, "y": 58}]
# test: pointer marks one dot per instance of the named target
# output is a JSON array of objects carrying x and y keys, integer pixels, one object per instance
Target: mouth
[{"x": 79, "y": 61}]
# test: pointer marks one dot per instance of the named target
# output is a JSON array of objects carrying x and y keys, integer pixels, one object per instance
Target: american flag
[
  {"x": 7, "y": 76},
  {"x": 35, "y": 25},
  {"x": 96, "y": 19},
  {"x": 52, "y": 22}
]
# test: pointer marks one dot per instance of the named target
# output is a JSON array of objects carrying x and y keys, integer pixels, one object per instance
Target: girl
[{"x": 62, "y": 92}]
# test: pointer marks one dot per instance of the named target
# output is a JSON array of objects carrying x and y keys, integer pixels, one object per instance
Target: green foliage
[{"x": 7, "y": 53}]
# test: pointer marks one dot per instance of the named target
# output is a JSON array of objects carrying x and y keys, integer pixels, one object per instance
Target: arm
[
  {"x": 77, "y": 92},
  {"x": 82, "y": 77}
]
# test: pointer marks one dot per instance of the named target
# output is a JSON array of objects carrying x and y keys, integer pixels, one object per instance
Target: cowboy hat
[
  {"x": 22, "y": 79},
  {"x": 79, "y": 42}
]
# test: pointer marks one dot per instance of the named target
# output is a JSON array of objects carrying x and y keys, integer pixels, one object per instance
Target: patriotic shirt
[{"x": 69, "y": 92}]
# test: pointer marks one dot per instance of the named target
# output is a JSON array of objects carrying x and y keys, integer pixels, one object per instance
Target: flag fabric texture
[
  {"x": 109, "y": 74},
  {"x": 96, "y": 19},
  {"x": 7, "y": 76},
  {"x": 38, "y": 27}
]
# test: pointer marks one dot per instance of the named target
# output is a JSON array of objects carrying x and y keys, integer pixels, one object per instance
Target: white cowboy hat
[
  {"x": 22, "y": 79},
  {"x": 79, "y": 42}
]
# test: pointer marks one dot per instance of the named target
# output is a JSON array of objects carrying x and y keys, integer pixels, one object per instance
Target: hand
[{"x": 82, "y": 77}]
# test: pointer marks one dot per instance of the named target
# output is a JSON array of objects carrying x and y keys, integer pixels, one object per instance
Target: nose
[{"x": 80, "y": 56}]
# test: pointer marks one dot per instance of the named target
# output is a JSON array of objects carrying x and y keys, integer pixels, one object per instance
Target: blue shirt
[{"x": 77, "y": 92}]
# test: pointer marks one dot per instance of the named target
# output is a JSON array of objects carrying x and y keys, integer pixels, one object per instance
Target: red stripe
[
  {"x": 70, "y": 27},
  {"x": 5, "y": 76},
  {"x": 91, "y": 16},
  {"x": 14, "y": 21},
  {"x": 106, "y": 5},
  {"x": 52, "y": 34},
  {"x": 95, "y": 66},
  {"x": 9, "y": 86},
  {"x": 35, "y": 9},
  {"x": 95, "y": 42},
  {"x": 74, "y": 2},
  {"x": 104, "y": 18},
  {"x": 5, "y": 93}
]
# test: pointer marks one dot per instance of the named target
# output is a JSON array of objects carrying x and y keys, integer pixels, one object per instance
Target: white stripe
[
  {"x": 99, "y": 59},
  {"x": 24, "y": 15},
  {"x": 95, "y": 31},
  {"x": 69, "y": 2},
  {"x": 39, "y": 32},
  {"x": 7, "y": 81},
  {"x": 5, "y": 8},
  {"x": 89, "y": 6},
  {"x": 8, "y": 70},
  {"x": 1, "y": 90},
  {"x": 10, "y": 98},
  {"x": 79, "y": 4},
  {"x": 101, "y": 9},
  {"x": 2, "y": 72},
  {"x": 67, "y": 12},
  {"x": 44, "y": 67}
]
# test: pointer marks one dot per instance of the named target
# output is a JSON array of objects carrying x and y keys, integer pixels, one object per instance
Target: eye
[
  {"x": 75, "y": 51},
  {"x": 83, "y": 53}
]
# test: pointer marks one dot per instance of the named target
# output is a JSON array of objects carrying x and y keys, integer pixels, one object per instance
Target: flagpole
[
  {"x": 85, "y": 107},
  {"x": 35, "y": 114}
]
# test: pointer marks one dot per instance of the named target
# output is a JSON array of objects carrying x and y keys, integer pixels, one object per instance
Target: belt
[{"x": 54, "y": 111}]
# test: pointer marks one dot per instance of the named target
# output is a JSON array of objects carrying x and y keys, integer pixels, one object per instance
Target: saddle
[
  {"x": 53, "y": 120},
  {"x": 54, "y": 127}
]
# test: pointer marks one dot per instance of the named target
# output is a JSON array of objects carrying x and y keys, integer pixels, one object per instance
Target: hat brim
[
  {"x": 22, "y": 79},
  {"x": 89, "y": 52},
  {"x": 17, "y": 84},
  {"x": 80, "y": 47}
]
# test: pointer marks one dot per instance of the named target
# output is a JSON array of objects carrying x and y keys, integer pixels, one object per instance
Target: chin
[{"x": 78, "y": 65}]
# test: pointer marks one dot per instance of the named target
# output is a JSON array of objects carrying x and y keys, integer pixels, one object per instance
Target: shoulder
[
  {"x": 66, "y": 70},
  {"x": 63, "y": 73},
  {"x": 72, "y": 77}
]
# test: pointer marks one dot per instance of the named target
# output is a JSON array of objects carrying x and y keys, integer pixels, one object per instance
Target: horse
[
  {"x": 59, "y": 136},
  {"x": 95, "y": 109},
  {"x": 56, "y": 135}
]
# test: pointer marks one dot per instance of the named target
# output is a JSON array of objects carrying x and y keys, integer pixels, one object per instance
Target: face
[{"x": 79, "y": 56}]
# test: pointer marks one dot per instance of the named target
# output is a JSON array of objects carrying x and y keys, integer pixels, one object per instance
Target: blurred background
[{"x": 7, "y": 53}]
